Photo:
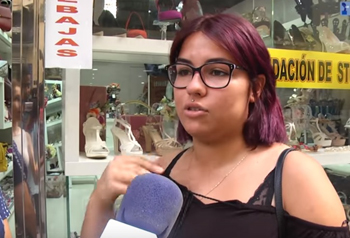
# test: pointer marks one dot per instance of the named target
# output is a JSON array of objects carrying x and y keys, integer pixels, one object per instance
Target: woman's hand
[{"x": 119, "y": 174}]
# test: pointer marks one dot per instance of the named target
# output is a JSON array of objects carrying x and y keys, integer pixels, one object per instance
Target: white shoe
[
  {"x": 347, "y": 124},
  {"x": 128, "y": 143},
  {"x": 94, "y": 146}
]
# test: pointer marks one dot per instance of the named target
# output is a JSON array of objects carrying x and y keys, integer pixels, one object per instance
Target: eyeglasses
[{"x": 214, "y": 74}]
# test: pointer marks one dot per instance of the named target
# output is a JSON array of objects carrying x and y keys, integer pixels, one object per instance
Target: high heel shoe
[
  {"x": 320, "y": 138},
  {"x": 108, "y": 26},
  {"x": 347, "y": 124},
  {"x": 94, "y": 146},
  {"x": 128, "y": 143},
  {"x": 281, "y": 37},
  {"x": 162, "y": 146},
  {"x": 311, "y": 40},
  {"x": 167, "y": 12},
  {"x": 291, "y": 133},
  {"x": 191, "y": 10},
  {"x": 298, "y": 38},
  {"x": 331, "y": 132},
  {"x": 331, "y": 41}
]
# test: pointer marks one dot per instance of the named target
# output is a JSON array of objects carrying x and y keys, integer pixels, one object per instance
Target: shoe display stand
[{"x": 163, "y": 25}]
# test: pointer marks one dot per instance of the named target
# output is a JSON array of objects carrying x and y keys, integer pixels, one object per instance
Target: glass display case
[
  {"x": 125, "y": 103},
  {"x": 6, "y": 155}
]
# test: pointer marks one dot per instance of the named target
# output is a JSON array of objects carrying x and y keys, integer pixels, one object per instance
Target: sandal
[
  {"x": 162, "y": 146},
  {"x": 94, "y": 146},
  {"x": 347, "y": 124},
  {"x": 320, "y": 138},
  {"x": 292, "y": 134},
  {"x": 329, "y": 129},
  {"x": 128, "y": 143}
]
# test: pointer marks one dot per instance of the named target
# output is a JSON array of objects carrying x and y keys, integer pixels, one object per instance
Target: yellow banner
[{"x": 310, "y": 69}]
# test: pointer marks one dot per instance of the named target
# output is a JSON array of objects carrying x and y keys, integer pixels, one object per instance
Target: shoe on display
[
  {"x": 108, "y": 26},
  {"x": 128, "y": 143},
  {"x": 304, "y": 9},
  {"x": 320, "y": 138},
  {"x": 330, "y": 130},
  {"x": 167, "y": 11},
  {"x": 331, "y": 41},
  {"x": 162, "y": 146},
  {"x": 347, "y": 124},
  {"x": 281, "y": 37},
  {"x": 94, "y": 146},
  {"x": 191, "y": 9},
  {"x": 261, "y": 23},
  {"x": 6, "y": 3}
]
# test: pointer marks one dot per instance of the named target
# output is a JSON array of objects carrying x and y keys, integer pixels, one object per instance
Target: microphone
[{"x": 149, "y": 209}]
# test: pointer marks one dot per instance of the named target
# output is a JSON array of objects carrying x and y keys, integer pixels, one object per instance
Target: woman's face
[{"x": 224, "y": 110}]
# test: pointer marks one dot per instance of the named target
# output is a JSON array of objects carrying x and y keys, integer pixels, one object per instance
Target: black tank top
[{"x": 234, "y": 219}]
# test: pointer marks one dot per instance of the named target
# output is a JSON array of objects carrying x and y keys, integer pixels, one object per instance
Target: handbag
[
  {"x": 278, "y": 193},
  {"x": 5, "y": 18},
  {"x": 135, "y": 33}
]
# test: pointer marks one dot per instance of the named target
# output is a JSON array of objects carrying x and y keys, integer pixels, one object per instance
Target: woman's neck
[
  {"x": 212, "y": 155},
  {"x": 16, "y": 129}
]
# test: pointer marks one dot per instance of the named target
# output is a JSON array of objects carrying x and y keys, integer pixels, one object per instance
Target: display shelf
[
  {"x": 86, "y": 166},
  {"x": 3, "y": 124},
  {"x": 331, "y": 158},
  {"x": 54, "y": 106},
  {"x": 6, "y": 173},
  {"x": 5, "y": 46},
  {"x": 54, "y": 123},
  {"x": 131, "y": 50}
]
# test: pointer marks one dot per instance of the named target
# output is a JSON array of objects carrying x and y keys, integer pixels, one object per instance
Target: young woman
[
  {"x": 226, "y": 101},
  {"x": 22, "y": 138}
]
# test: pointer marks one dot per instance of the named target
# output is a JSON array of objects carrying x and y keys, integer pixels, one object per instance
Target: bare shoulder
[
  {"x": 28, "y": 137},
  {"x": 308, "y": 193}
]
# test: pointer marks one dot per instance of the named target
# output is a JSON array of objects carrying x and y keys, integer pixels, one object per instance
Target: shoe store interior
[{"x": 124, "y": 104}]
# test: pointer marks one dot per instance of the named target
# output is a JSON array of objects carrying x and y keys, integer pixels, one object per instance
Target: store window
[
  {"x": 126, "y": 98},
  {"x": 7, "y": 181}
]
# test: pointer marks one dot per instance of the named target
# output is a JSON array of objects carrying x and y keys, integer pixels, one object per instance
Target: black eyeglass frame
[{"x": 198, "y": 69}]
